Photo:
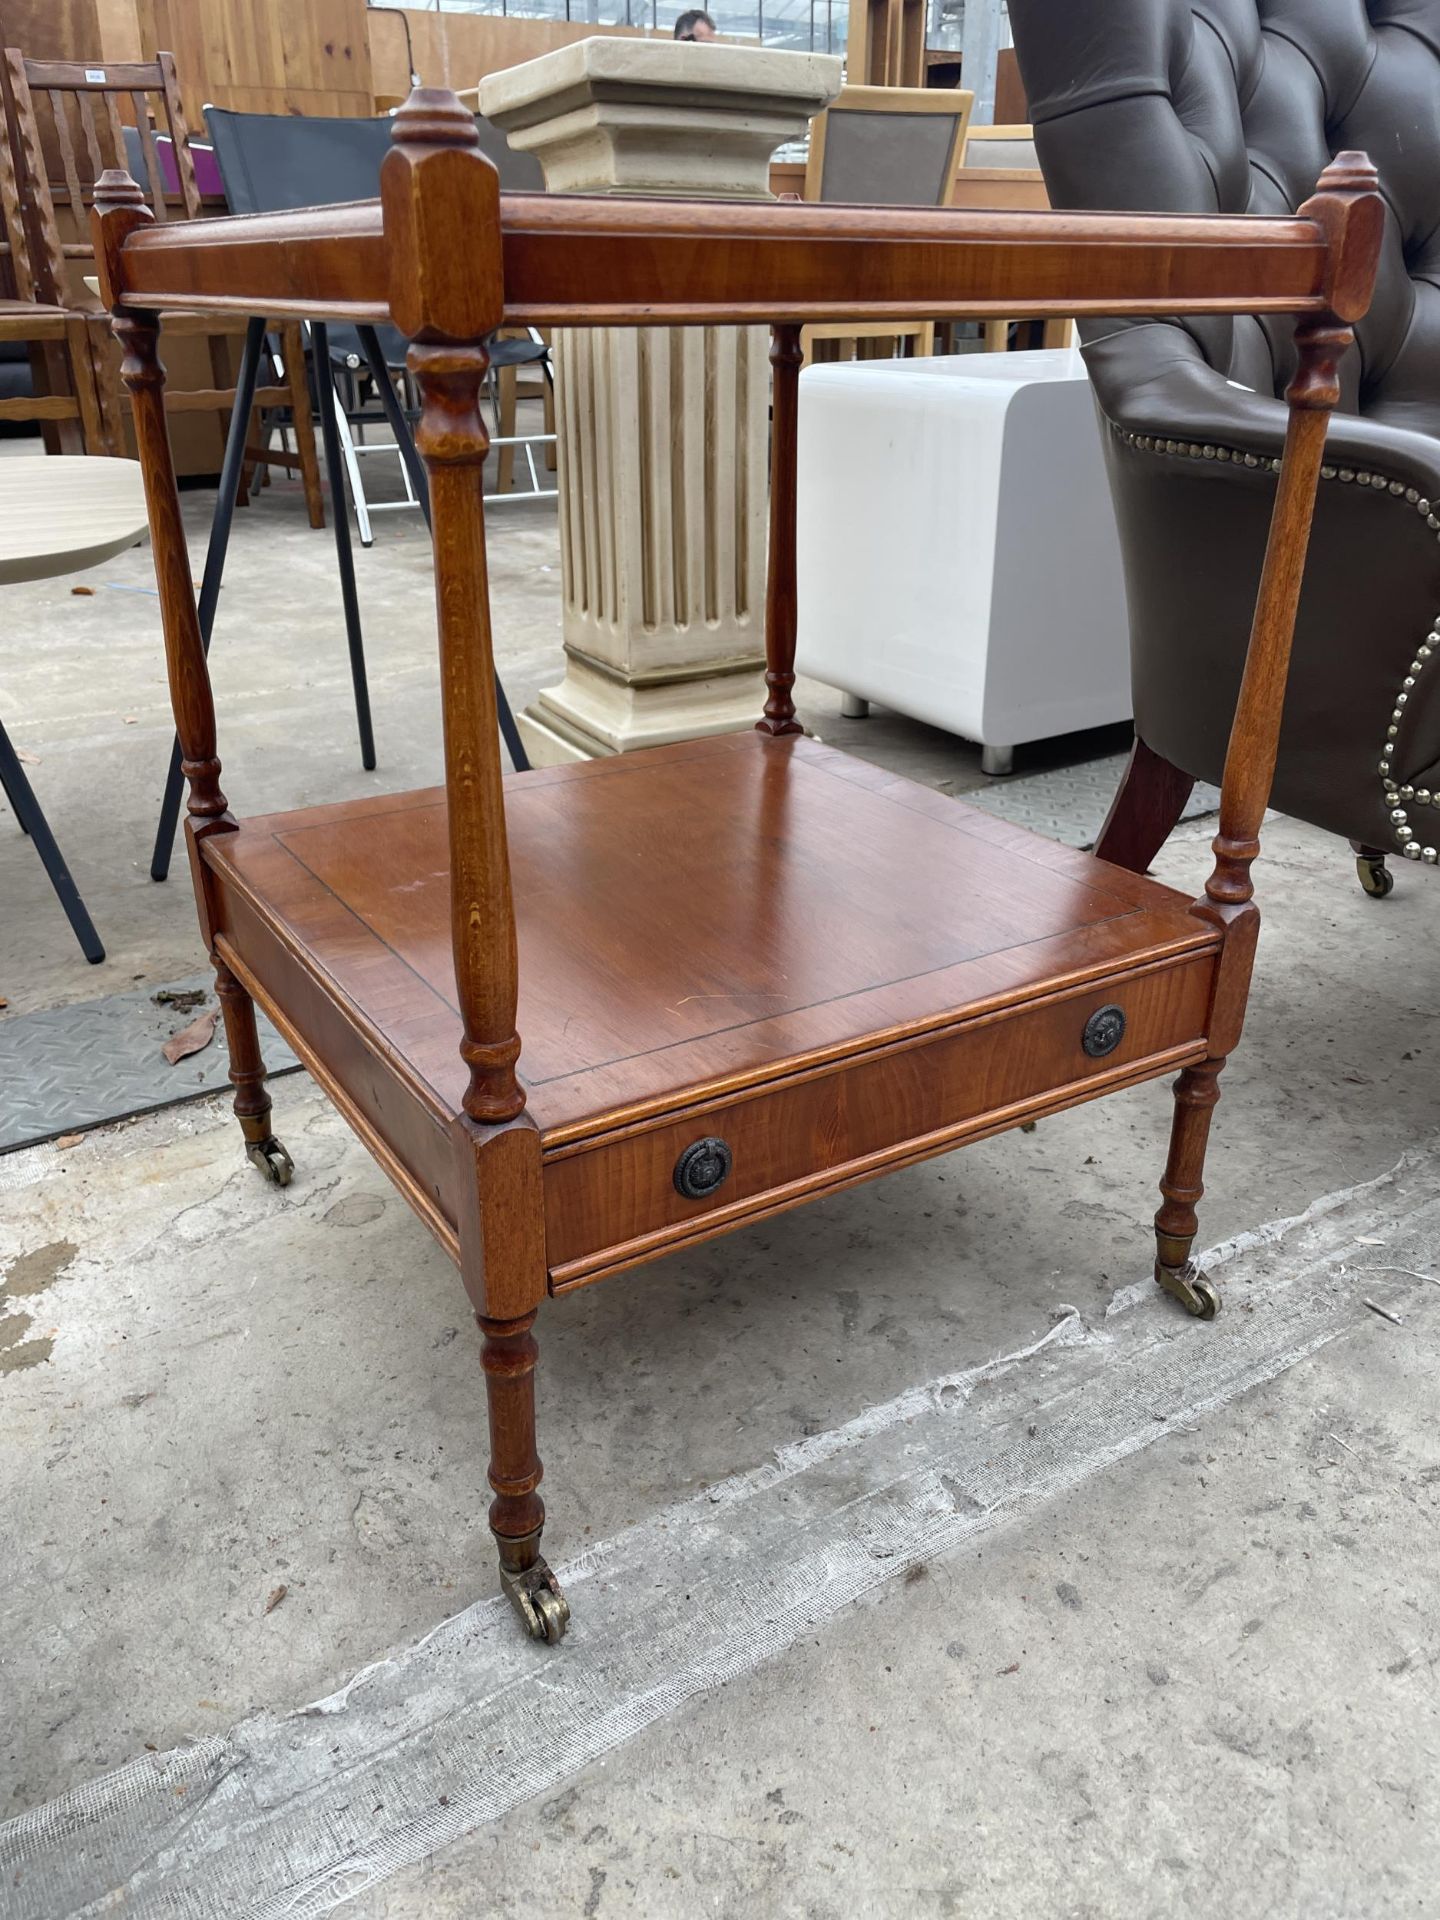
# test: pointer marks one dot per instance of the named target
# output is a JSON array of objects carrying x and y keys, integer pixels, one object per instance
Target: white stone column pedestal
[{"x": 662, "y": 431}]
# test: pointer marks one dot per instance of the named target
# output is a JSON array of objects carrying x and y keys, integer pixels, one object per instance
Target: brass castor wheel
[
  {"x": 1375, "y": 877},
  {"x": 272, "y": 1160},
  {"x": 1197, "y": 1294},
  {"x": 536, "y": 1597}
]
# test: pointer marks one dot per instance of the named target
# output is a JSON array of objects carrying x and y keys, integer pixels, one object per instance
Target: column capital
[{"x": 618, "y": 115}]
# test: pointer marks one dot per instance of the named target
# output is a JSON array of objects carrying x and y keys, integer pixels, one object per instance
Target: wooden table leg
[
  {"x": 1196, "y": 1093},
  {"x": 517, "y": 1513},
  {"x": 293, "y": 348},
  {"x": 84, "y": 349},
  {"x": 247, "y": 1076},
  {"x": 508, "y": 390}
]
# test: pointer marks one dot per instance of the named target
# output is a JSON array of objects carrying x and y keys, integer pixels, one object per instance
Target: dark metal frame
[
  {"x": 420, "y": 486},
  {"x": 345, "y": 369},
  {"x": 230, "y": 476},
  {"x": 31, "y": 818}
]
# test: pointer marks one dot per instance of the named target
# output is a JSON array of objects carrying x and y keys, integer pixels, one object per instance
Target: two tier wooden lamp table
[{"x": 587, "y": 1015}]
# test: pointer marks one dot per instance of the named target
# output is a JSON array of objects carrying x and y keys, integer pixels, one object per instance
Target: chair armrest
[
  {"x": 1152, "y": 379},
  {"x": 1190, "y": 461}
]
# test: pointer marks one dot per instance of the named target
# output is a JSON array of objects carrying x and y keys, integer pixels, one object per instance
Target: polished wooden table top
[
  {"x": 696, "y": 915},
  {"x": 60, "y": 513}
]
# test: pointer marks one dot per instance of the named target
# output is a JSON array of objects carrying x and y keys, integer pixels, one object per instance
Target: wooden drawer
[{"x": 613, "y": 1201}]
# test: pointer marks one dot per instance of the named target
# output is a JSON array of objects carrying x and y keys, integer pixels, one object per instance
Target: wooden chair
[
  {"x": 1000, "y": 169},
  {"x": 56, "y": 337},
  {"x": 1005, "y": 161},
  {"x": 61, "y": 153},
  {"x": 589, "y": 1014},
  {"x": 886, "y": 147},
  {"x": 886, "y": 43}
]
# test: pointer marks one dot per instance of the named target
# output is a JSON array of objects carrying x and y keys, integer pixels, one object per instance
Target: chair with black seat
[
  {"x": 274, "y": 162},
  {"x": 271, "y": 163},
  {"x": 1233, "y": 106}
]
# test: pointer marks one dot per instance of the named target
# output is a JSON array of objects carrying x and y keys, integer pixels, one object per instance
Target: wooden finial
[
  {"x": 115, "y": 189},
  {"x": 434, "y": 117},
  {"x": 1348, "y": 206},
  {"x": 118, "y": 210},
  {"x": 1350, "y": 172},
  {"x": 441, "y": 201}
]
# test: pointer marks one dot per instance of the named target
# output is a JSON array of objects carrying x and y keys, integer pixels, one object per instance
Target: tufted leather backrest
[{"x": 1235, "y": 106}]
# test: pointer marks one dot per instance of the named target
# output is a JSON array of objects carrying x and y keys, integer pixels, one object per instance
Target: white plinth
[
  {"x": 662, "y": 435},
  {"x": 957, "y": 554},
  {"x": 662, "y": 432}
]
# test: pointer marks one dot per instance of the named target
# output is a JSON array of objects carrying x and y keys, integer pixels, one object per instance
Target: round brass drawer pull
[
  {"x": 702, "y": 1168},
  {"x": 1104, "y": 1031}
]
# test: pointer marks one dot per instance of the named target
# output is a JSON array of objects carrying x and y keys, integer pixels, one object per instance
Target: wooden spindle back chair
[
  {"x": 71, "y": 122},
  {"x": 56, "y": 337},
  {"x": 588, "y": 1014}
]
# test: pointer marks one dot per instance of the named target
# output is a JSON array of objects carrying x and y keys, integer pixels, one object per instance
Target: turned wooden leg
[
  {"x": 507, "y": 387},
  {"x": 517, "y": 1513},
  {"x": 110, "y": 395},
  {"x": 247, "y": 1076},
  {"x": 80, "y": 343},
  {"x": 303, "y": 419},
  {"x": 1196, "y": 1092},
  {"x": 1148, "y": 803},
  {"x": 1375, "y": 877}
]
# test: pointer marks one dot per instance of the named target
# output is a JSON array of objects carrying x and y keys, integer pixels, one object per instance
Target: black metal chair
[
  {"x": 272, "y": 162},
  {"x": 30, "y": 819}
]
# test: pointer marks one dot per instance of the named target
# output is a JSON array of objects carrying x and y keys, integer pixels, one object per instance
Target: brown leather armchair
[{"x": 1236, "y": 106}]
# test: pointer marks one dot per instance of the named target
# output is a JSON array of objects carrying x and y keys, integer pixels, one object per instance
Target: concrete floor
[{"x": 1190, "y": 1666}]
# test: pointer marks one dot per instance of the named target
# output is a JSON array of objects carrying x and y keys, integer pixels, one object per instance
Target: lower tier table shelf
[{"x": 793, "y": 967}]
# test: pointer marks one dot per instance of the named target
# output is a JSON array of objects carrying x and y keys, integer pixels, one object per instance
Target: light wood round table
[{"x": 60, "y": 513}]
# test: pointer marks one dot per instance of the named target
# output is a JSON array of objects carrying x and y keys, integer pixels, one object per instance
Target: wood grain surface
[{"x": 573, "y": 259}]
